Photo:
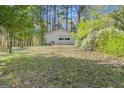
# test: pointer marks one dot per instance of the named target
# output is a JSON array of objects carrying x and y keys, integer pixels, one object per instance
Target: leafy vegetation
[
  {"x": 20, "y": 28},
  {"x": 111, "y": 41},
  {"x": 99, "y": 33},
  {"x": 119, "y": 18},
  {"x": 19, "y": 22}
]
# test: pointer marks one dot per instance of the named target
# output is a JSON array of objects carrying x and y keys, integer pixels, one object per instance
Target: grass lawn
[{"x": 60, "y": 66}]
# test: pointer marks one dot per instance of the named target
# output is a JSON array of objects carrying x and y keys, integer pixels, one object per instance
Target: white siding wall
[{"x": 55, "y": 35}]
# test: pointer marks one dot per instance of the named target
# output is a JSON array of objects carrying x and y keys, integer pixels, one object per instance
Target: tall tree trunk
[
  {"x": 41, "y": 25},
  {"x": 54, "y": 21},
  {"x": 0, "y": 38},
  {"x": 10, "y": 42},
  {"x": 79, "y": 16},
  {"x": 58, "y": 20},
  {"x": 67, "y": 17},
  {"x": 42, "y": 36},
  {"x": 71, "y": 19},
  {"x": 30, "y": 42},
  {"x": 50, "y": 20},
  {"x": 47, "y": 10},
  {"x": 22, "y": 44}
]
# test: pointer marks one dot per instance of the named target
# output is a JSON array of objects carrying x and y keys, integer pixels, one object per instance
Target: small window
[
  {"x": 61, "y": 38},
  {"x": 67, "y": 38}
]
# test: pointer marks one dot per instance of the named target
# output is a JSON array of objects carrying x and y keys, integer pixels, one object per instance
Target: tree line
[{"x": 26, "y": 25}]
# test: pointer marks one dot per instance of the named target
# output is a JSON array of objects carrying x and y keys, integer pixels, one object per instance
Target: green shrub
[
  {"x": 111, "y": 42},
  {"x": 82, "y": 32},
  {"x": 89, "y": 43},
  {"x": 78, "y": 43}
]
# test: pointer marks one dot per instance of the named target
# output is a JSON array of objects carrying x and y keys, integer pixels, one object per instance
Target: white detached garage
[{"x": 59, "y": 37}]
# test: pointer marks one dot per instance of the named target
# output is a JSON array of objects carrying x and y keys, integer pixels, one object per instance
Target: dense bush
[
  {"x": 102, "y": 32},
  {"x": 78, "y": 42},
  {"x": 89, "y": 43},
  {"x": 112, "y": 42},
  {"x": 109, "y": 41}
]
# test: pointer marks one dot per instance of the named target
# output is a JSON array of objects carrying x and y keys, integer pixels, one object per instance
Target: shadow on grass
[{"x": 62, "y": 72}]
